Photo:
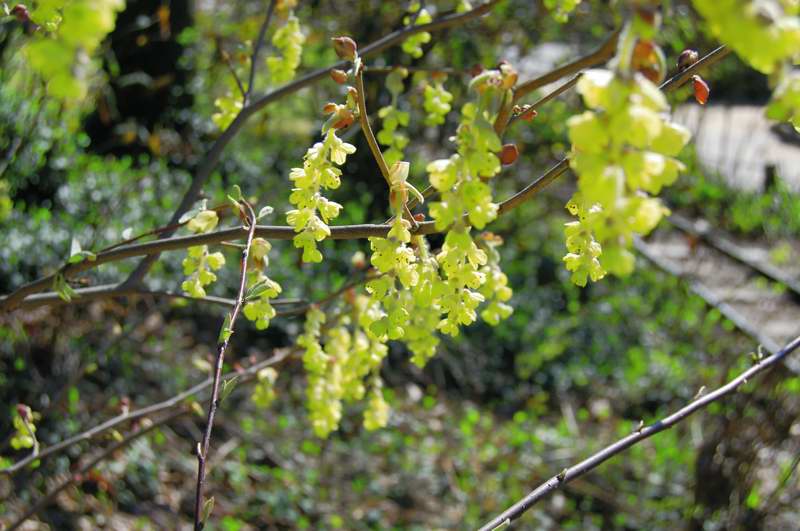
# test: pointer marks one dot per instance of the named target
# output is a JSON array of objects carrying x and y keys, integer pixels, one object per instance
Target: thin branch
[
  {"x": 75, "y": 476},
  {"x": 363, "y": 119},
  {"x": 211, "y": 160},
  {"x": 588, "y": 464},
  {"x": 599, "y": 56},
  {"x": 262, "y": 32},
  {"x": 227, "y": 60},
  {"x": 224, "y": 340},
  {"x": 107, "y": 291},
  {"x": 170, "y": 403}
]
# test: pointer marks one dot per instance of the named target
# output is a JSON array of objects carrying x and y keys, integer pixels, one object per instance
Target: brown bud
[
  {"x": 701, "y": 90},
  {"x": 528, "y": 114},
  {"x": 20, "y": 11},
  {"x": 339, "y": 76},
  {"x": 345, "y": 48},
  {"x": 419, "y": 217},
  {"x": 345, "y": 119},
  {"x": 509, "y": 154},
  {"x": 687, "y": 58},
  {"x": 475, "y": 70},
  {"x": 329, "y": 108}
]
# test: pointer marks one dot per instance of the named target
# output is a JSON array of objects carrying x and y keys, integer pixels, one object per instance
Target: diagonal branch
[
  {"x": 257, "y": 50},
  {"x": 588, "y": 464}
]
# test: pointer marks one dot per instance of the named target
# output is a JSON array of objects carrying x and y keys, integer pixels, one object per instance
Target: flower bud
[
  {"x": 24, "y": 412},
  {"x": 20, "y": 11},
  {"x": 509, "y": 154},
  {"x": 701, "y": 90},
  {"x": 528, "y": 113},
  {"x": 345, "y": 48},
  {"x": 687, "y": 58},
  {"x": 339, "y": 76}
]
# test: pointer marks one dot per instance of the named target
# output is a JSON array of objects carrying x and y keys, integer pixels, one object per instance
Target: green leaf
[
  {"x": 226, "y": 332},
  {"x": 227, "y": 388},
  {"x": 208, "y": 508},
  {"x": 266, "y": 211}
]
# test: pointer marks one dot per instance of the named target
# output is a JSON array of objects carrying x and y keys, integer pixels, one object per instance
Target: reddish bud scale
[
  {"x": 419, "y": 217},
  {"x": 701, "y": 90},
  {"x": 22, "y": 411},
  {"x": 509, "y": 154},
  {"x": 528, "y": 115},
  {"x": 339, "y": 76},
  {"x": 20, "y": 11}
]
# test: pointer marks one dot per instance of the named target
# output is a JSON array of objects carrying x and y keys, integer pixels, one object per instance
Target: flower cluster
[
  {"x": 264, "y": 391},
  {"x": 461, "y": 180},
  {"x": 260, "y": 288},
  {"x": 436, "y": 101},
  {"x": 495, "y": 290},
  {"x": 561, "y": 8},
  {"x": 319, "y": 172},
  {"x": 288, "y": 39},
  {"x": 413, "y": 44},
  {"x": 394, "y": 258},
  {"x": 623, "y": 151},
  {"x": 767, "y": 36},
  {"x": 199, "y": 264},
  {"x": 393, "y": 118}
]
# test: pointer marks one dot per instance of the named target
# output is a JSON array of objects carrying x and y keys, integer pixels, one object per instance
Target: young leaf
[
  {"x": 227, "y": 388},
  {"x": 266, "y": 211},
  {"x": 226, "y": 332},
  {"x": 208, "y": 508}
]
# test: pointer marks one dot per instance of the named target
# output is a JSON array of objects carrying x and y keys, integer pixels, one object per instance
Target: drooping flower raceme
[
  {"x": 319, "y": 172},
  {"x": 199, "y": 264},
  {"x": 623, "y": 150}
]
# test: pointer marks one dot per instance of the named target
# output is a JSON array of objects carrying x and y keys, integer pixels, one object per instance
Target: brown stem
[{"x": 225, "y": 335}]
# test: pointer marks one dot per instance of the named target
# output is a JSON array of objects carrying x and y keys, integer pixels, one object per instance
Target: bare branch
[
  {"x": 224, "y": 340},
  {"x": 588, "y": 464},
  {"x": 262, "y": 32}
]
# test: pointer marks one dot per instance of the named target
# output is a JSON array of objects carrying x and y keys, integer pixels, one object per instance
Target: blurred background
[{"x": 499, "y": 409}]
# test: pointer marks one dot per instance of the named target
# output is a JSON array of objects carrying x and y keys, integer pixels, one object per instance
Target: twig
[
  {"x": 363, "y": 119},
  {"x": 227, "y": 60},
  {"x": 75, "y": 476},
  {"x": 224, "y": 340},
  {"x": 585, "y": 466},
  {"x": 256, "y": 50},
  {"x": 212, "y": 158},
  {"x": 106, "y": 291}
]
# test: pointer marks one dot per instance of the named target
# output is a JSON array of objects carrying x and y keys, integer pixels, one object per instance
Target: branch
[
  {"x": 76, "y": 476},
  {"x": 224, "y": 340},
  {"x": 599, "y": 56},
  {"x": 170, "y": 403},
  {"x": 212, "y": 158},
  {"x": 107, "y": 291},
  {"x": 585, "y": 466},
  {"x": 256, "y": 50}
]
